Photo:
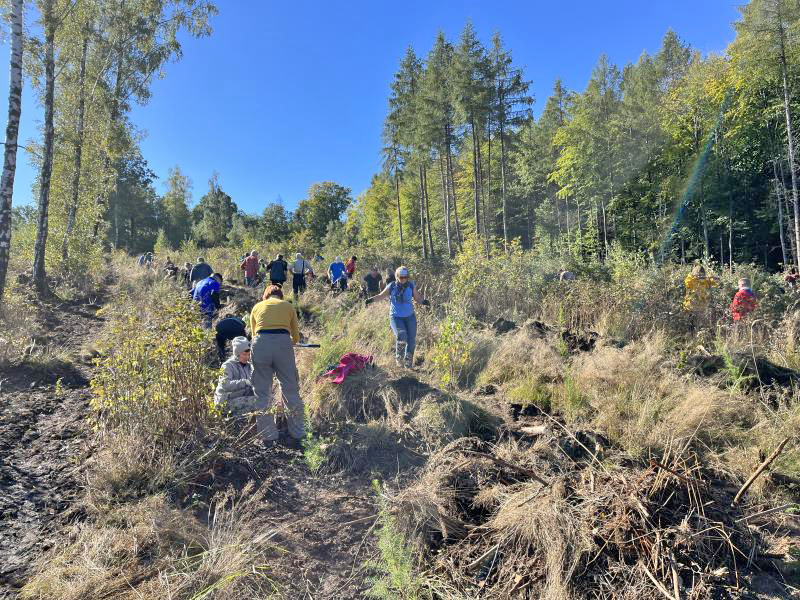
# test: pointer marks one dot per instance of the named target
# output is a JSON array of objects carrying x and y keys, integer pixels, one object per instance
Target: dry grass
[
  {"x": 522, "y": 354},
  {"x": 151, "y": 550},
  {"x": 512, "y": 521}
]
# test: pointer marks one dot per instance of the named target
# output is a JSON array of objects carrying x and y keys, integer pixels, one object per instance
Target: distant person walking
[
  {"x": 300, "y": 268},
  {"x": 227, "y": 329},
  {"x": 336, "y": 272},
  {"x": 372, "y": 283},
  {"x": 250, "y": 267},
  {"x": 186, "y": 274},
  {"x": 277, "y": 270},
  {"x": 744, "y": 302},
  {"x": 350, "y": 267},
  {"x": 206, "y": 293},
  {"x": 275, "y": 328},
  {"x": 235, "y": 386},
  {"x": 402, "y": 318},
  {"x": 200, "y": 271}
]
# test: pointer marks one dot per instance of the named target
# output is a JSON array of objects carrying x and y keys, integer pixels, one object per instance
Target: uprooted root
[{"x": 519, "y": 523}]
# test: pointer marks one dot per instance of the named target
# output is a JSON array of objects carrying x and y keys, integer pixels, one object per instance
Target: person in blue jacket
[
  {"x": 206, "y": 293},
  {"x": 402, "y": 318},
  {"x": 337, "y": 274}
]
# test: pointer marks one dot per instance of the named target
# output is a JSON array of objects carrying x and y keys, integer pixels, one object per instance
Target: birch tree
[
  {"x": 12, "y": 132},
  {"x": 49, "y": 24}
]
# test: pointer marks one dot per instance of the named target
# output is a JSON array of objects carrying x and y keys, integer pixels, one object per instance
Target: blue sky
[{"x": 285, "y": 94}]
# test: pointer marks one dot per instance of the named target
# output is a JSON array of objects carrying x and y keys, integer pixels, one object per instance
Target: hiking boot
[{"x": 409, "y": 362}]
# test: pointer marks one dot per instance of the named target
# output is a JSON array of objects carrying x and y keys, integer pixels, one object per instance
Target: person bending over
[
  {"x": 206, "y": 293},
  {"x": 200, "y": 271},
  {"x": 227, "y": 329},
  {"x": 337, "y": 274},
  {"x": 274, "y": 325}
]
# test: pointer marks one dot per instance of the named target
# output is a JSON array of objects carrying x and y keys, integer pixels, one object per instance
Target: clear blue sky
[{"x": 285, "y": 94}]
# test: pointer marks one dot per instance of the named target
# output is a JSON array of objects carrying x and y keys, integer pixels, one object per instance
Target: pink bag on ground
[{"x": 349, "y": 363}]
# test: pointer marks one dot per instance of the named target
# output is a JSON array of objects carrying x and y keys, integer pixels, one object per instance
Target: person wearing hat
[
  {"x": 300, "y": 268},
  {"x": 235, "y": 386},
  {"x": 200, "y": 271},
  {"x": 250, "y": 267},
  {"x": 274, "y": 325},
  {"x": 402, "y": 318},
  {"x": 337, "y": 274}
]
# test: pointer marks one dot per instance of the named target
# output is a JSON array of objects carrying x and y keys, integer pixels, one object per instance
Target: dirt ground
[
  {"x": 44, "y": 440},
  {"x": 322, "y": 525},
  {"x": 323, "y": 529}
]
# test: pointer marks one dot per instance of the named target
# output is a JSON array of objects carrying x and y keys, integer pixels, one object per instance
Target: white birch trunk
[{"x": 12, "y": 132}]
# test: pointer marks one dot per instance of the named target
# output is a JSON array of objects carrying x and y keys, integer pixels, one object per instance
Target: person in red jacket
[
  {"x": 744, "y": 302},
  {"x": 250, "y": 267},
  {"x": 350, "y": 267}
]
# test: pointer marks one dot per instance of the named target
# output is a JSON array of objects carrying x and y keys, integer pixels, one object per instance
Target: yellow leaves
[{"x": 153, "y": 374}]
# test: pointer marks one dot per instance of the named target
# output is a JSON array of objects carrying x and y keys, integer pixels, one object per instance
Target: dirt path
[
  {"x": 323, "y": 529},
  {"x": 43, "y": 441}
]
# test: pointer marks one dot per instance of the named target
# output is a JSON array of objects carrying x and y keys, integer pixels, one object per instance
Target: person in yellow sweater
[
  {"x": 698, "y": 290},
  {"x": 275, "y": 330}
]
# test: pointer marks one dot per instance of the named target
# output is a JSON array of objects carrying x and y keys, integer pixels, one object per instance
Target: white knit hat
[{"x": 239, "y": 345}]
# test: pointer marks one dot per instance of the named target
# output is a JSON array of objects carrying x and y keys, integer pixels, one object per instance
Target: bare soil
[{"x": 44, "y": 440}]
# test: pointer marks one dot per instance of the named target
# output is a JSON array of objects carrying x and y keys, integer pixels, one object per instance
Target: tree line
[{"x": 677, "y": 155}]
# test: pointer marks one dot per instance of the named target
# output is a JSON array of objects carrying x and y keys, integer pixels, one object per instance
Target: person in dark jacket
[
  {"x": 200, "y": 271},
  {"x": 277, "y": 270},
  {"x": 228, "y": 328},
  {"x": 373, "y": 283}
]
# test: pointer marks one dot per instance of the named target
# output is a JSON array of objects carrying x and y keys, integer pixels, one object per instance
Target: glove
[{"x": 368, "y": 301}]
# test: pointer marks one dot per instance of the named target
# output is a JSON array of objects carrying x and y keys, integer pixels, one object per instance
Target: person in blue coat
[
  {"x": 206, "y": 293},
  {"x": 402, "y": 318},
  {"x": 337, "y": 274}
]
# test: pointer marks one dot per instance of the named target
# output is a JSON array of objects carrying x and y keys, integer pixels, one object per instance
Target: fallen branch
[
  {"x": 657, "y": 583},
  {"x": 758, "y": 471},
  {"x": 508, "y": 465},
  {"x": 767, "y": 512},
  {"x": 480, "y": 560}
]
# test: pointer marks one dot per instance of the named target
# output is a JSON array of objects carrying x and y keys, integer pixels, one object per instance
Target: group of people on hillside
[
  {"x": 245, "y": 385},
  {"x": 697, "y": 295},
  {"x": 277, "y": 270}
]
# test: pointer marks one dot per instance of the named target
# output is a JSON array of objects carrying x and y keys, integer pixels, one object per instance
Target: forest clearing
[{"x": 548, "y": 354}]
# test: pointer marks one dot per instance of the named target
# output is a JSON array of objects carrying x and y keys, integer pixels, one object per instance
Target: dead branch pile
[{"x": 509, "y": 521}]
